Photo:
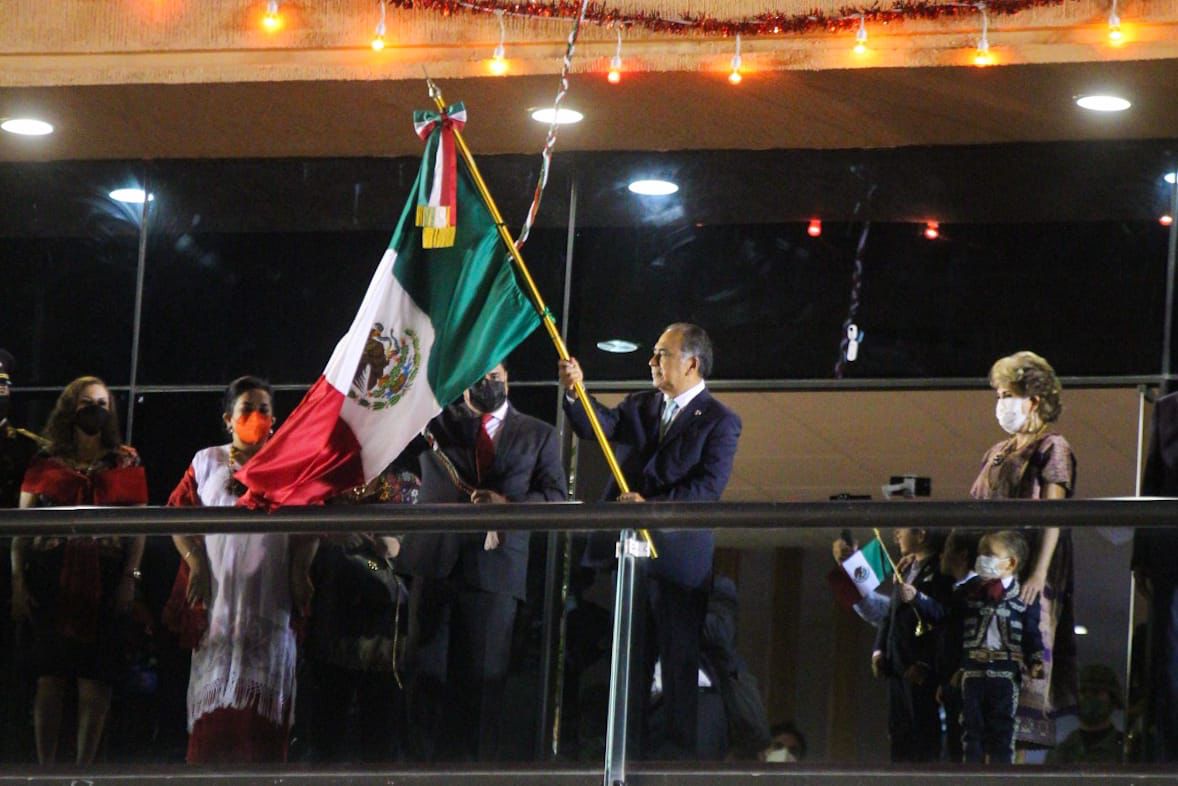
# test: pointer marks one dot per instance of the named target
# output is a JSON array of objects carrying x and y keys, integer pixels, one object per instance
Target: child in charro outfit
[{"x": 1000, "y": 638}]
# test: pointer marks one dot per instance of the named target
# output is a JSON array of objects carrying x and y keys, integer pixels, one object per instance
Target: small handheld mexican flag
[
  {"x": 867, "y": 567},
  {"x": 860, "y": 574}
]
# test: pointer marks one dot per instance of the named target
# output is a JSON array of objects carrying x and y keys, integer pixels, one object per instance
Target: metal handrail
[{"x": 565, "y": 516}]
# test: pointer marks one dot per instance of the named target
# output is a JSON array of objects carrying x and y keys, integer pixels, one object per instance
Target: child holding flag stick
[{"x": 904, "y": 655}]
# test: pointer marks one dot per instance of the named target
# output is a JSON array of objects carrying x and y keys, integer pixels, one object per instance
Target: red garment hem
[{"x": 230, "y": 736}]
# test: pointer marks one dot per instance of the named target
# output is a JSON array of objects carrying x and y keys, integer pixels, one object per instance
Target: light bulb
[
  {"x": 271, "y": 20},
  {"x": 378, "y": 39},
  {"x": 932, "y": 230},
  {"x": 1115, "y": 36},
  {"x": 815, "y": 228},
  {"x": 615, "y": 70},
  {"x": 861, "y": 37},
  {"x": 498, "y": 63},
  {"x": 735, "y": 77},
  {"x": 1166, "y": 220},
  {"x": 982, "y": 56}
]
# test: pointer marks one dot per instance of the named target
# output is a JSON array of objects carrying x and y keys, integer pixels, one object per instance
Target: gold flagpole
[
  {"x": 921, "y": 628},
  {"x": 884, "y": 546},
  {"x": 539, "y": 305}
]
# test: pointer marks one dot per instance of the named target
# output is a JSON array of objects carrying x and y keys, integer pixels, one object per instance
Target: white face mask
[
  {"x": 779, "y": 755},
  {"x": 988, "y": 566},
  {"x": 1009, "y": 412}
]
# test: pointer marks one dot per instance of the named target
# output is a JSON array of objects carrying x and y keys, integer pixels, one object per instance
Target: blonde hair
[{"x": 1029, "y": 375}]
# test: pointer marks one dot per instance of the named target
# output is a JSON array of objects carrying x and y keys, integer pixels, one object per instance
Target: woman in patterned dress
[{"x": 1035, "y": 462}]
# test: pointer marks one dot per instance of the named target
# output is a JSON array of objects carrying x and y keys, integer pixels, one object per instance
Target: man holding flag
[{"x": 677, "y": 443}]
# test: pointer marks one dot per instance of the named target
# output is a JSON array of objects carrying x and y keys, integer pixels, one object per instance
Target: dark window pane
[
  {"x": 68, "y": 253},
  {"x": 261, "y": 265}
]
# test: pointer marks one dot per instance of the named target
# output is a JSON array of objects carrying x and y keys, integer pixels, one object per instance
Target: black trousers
[
  {"x": 914, "y": 720},
  {"x": 989, "y": 700},
  {"x": 1163, "y": 665},
  {"x": 380, "y": 707},
  {"x": 668, "y": 621},
  {"x": 460, "y": 652},
  {"x": 951, "y": 701}
]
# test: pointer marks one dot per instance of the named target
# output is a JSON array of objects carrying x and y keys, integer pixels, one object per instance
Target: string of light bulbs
[{"x": 555, "y": 11}]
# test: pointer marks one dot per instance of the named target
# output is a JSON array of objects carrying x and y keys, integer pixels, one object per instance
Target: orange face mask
[{"x": 253, "y": 428}]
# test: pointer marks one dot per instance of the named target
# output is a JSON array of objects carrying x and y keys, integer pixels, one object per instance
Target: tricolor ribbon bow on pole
[{"x": 437, "y": 212}]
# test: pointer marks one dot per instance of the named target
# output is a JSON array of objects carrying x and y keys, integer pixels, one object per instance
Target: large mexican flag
[{"x": 434, "y": 321}]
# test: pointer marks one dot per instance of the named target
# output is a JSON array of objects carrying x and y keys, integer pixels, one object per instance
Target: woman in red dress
[{"x": 76, "y": 592}]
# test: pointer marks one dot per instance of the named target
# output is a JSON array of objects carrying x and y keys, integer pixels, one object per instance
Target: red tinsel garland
[{"x": 769, "y": 23}]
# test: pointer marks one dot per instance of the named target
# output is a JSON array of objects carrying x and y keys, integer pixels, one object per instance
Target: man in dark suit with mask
[
  {"x": 674, "y": 443},
  {"x": 467, "y": 587}
]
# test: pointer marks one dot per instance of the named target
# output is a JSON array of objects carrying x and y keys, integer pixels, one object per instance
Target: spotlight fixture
[
  {"x": 563, "y": 117},
  {"x": 815, "y": 228},
  {"x": 617, "y": 345},
  {"x": 1080, "y": 630},
  {"x": 1166, "y": 220},
  {"x": 1103, "y": 103},
  {"x": 26, "y": 126},
  {"x": 932, "y": 230},
  {"x": 653, "y": 187},
  {"x": 1169, "y": 177},
  {"x": 131, "y": 196}
]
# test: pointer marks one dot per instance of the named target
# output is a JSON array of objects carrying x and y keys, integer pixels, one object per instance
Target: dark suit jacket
[
  {"x": 1155, "y": 551},
  {"x": 691, "y": 464},
  {"x": 897, "y": 637},
  {"x": 527, "y": 468}
]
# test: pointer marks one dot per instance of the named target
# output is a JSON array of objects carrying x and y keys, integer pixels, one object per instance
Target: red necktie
[{"x": 484, "y": 449}]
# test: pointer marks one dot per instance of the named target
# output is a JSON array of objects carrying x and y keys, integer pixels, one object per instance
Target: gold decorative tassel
[{"x": 437, "y": 237}]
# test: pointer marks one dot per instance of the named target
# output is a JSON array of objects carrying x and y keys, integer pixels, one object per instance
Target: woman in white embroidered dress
[{"x": 241, "y": 686}]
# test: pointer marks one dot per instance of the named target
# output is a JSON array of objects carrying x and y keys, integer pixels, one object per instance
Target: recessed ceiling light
[
  {"x": 1103, "y": 103},
  {"x": 27, "y": 126},
  {"x": 132, "y": 196},
  {"x": 563, "y": 116},
  {"x": 653, "y": 187},
  {"x": 1171, "y": 177},
  {"x": 1081, "y": 630},
  {"x": 618, "y": 345}
]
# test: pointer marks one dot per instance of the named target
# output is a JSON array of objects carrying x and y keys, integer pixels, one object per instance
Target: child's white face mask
[{"x": 990, "y": 567}]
